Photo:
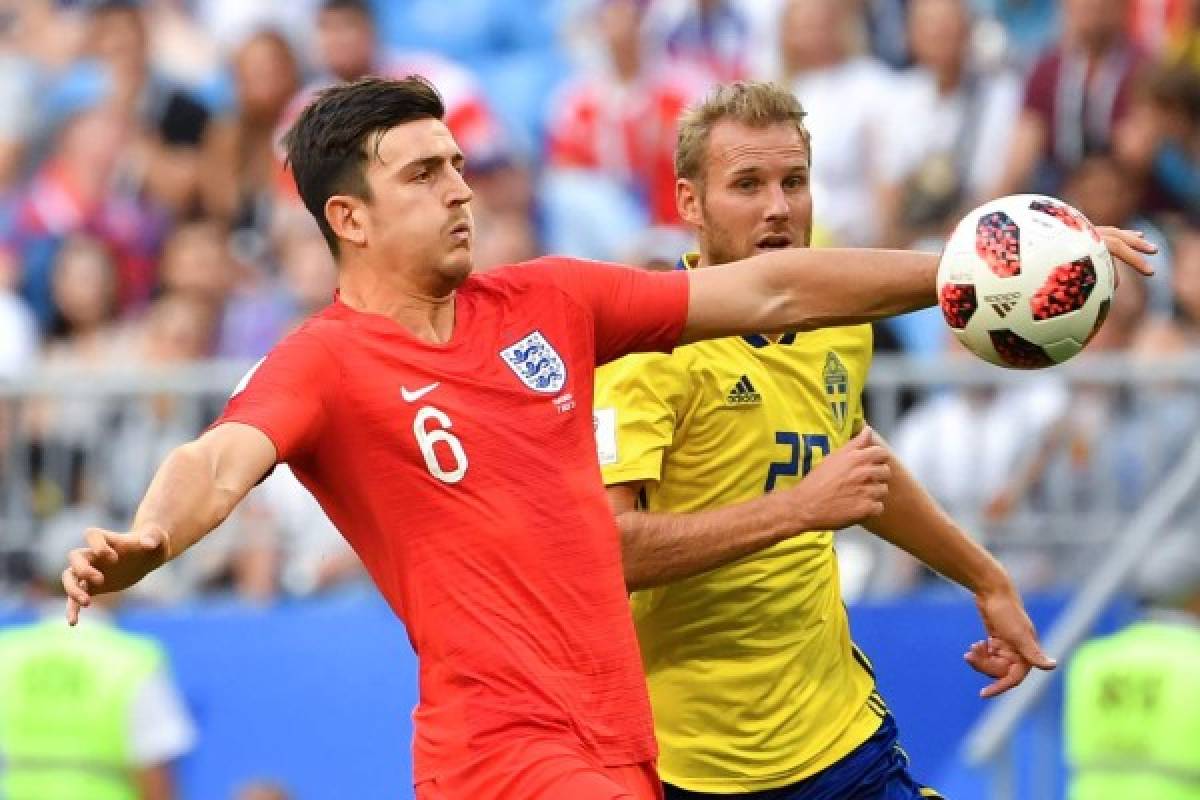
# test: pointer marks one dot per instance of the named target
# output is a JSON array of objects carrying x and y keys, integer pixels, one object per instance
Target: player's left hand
[
  {"x": 1128, "y": 246},
  {"x": 1011, "y": 649}
]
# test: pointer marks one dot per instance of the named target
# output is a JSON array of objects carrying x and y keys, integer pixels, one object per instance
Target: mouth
[
  {"x": 773, "y": 241},
  {"x": 461, "y": 231}
]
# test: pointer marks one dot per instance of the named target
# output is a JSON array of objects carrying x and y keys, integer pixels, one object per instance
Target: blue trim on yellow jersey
[
  {"x": 753, "y": 339},
  {"x": 876, "y": 770}
]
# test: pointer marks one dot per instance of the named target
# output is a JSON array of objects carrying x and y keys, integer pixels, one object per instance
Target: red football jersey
[{"x": 465, "y": 476}]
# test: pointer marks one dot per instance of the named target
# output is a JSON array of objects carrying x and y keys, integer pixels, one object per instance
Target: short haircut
[
  {"x": 330, "y": 143},
  {"x": 752, "y": 103}
]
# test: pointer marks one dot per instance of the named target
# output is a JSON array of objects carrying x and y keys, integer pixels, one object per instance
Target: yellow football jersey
[{"x": 754, "y": 680}]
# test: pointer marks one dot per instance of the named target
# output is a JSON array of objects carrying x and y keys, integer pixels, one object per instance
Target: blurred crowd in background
[{"x": 146, "y": 216}]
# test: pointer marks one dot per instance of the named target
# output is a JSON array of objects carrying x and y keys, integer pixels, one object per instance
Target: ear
[
  {"x": 687, "y": 202},
  {"x": 347, "y": 217}
]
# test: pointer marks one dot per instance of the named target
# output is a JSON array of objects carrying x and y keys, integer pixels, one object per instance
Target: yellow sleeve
[
  {"x": 639, "y": 400},
  {"x": 859, "y": 419}
]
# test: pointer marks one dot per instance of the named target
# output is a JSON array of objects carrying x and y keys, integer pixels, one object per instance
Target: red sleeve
[
  {"x": 285, "y": 394},
  {"x": 633, "y": 310}
]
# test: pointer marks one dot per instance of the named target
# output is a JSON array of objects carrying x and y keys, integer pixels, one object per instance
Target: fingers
[
  {"x": 1032, "y": 652},
  {"x": 1016, "y": 673},
  {"x": 1130, "y": 247},
  {"x": 77, "y": 593},
  {"x": 80, "y": 564},
  {"x": 98, "y": 543},
  {"x": 72, "y": 611}
]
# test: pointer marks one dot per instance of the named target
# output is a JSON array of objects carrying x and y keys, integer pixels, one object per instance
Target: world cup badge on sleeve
[{"x": 536, "y": 363}]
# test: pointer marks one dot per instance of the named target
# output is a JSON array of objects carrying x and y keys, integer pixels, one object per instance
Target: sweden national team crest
[
  {"x": 837, "y": 388},
  {"x": 536, "y": 363}
]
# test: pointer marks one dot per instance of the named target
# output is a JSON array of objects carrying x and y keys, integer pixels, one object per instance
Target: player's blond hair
[{"x": 755, "y": 104}]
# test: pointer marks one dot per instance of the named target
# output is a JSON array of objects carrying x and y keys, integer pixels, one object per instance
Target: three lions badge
[{"x": 536, "y": 363}]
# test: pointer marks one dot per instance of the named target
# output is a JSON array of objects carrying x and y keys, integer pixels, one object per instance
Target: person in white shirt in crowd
[{"x": 843, "y": 91}]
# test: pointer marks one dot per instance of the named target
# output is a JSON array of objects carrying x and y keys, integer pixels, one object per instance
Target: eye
[
  {"x": 421, "y": 176},
  {"x": 794, "y": 182},
  {"x": 745, "y": 184}
]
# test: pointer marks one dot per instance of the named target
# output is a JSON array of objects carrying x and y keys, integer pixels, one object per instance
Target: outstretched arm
[
  {"x": 659, "y": 548},
  {"x": 802, "y": 289},
  {"x": 192, "y": 493},
  {"x": 913, "y": 521}
]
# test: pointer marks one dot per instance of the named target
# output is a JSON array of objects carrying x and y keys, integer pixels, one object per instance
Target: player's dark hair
[
  {"x": 328, "y": 147},
  {"x": 357, "y": 6}
]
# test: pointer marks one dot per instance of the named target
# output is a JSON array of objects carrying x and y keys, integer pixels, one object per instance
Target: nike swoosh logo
[{"x": 414, "y": 396}]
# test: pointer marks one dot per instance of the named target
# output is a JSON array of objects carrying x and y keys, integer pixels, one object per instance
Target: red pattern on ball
[
  {"x": 958, "y": 304},
  {"x": 1067, "y": 289},
  {"x": 1059, "y": 212},
  {"x": 1018, "y": 352},
  {"x": 998, "y": 243}
]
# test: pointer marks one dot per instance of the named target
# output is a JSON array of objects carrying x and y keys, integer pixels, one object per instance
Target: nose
[
  {"x": 777, "y": 204},
  {"x": 460, "y": 192}
]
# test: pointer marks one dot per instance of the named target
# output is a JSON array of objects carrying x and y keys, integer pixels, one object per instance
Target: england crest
[
  {"x": 837, "y": 388},
  {"x": 536, "y": 363}
]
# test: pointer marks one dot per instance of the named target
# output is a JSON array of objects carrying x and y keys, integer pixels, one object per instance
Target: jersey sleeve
[
  {"x": 286, "y": 395},
  {"x": 633, "y": 310},
  {"x": 639, "y": 401}
]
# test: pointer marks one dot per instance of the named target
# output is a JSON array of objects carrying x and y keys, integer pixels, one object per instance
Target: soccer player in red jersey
[{"x": 443, "y": 421}]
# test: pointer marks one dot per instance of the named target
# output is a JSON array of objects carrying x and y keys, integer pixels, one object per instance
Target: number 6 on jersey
[{"x": 428, "y": 436}]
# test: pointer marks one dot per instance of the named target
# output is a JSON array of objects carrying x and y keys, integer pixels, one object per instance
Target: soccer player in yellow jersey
[{"x": 757, "y": 689}]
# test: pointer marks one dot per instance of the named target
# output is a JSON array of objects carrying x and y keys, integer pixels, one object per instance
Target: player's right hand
[
  {"x": 110, "y": 562},
  {"x": 848, "y": 487}
]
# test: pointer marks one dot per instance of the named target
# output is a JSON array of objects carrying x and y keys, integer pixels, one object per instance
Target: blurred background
[{"x": 152, "y": 247}]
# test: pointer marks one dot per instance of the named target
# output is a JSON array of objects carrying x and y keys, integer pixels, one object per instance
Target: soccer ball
[{"x": 1025, "y": 281}]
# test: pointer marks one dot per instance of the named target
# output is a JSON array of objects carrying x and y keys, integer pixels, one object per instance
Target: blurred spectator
[
  {"x": 18, "y": 327},
  {"x": 178, "y": 330},
  {"x": 232, "y": 22},
  {"x": 1159, "y": 140},
  {"x": 66, "y": 431},
  {"x": 713, "y": 35},
  {"x": 249, "y": 310},
  {"x": 1132, "y": 713},
  {"x": 945, "y": 125},
  {"x": 242, "y": 159},
  {"x": 1077, "y": 93},
  {"x": 965, "y": 446},
  {"x": 171, "y": 122},
  {"x": 180, "y": 50},
  {"x": 1186, "y": 283},
  {"x": 76, "y": 191},
  {"x": 843, "y": 94},
  {"x": 1162, "y": 26},
  {"x": 611, "y": 140},
  {"x": 286, "y": 542},
  {"x": 86, "y": 712},
  {"x": 348, "y": 49}
]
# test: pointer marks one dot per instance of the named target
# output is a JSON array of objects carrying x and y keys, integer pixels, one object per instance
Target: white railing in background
[{"x": 1061, "y": 526}]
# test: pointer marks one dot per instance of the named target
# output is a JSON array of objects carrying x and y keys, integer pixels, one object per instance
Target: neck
[
  {"x": 628, "y": 63},
  {"x": 797, "y": 65},
  {"x": 949, "y": 77},
  {"x": 426, "y": 310}
]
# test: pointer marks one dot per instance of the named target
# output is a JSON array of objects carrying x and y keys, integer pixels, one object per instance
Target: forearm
[
  {"x": 658, "y": 549},
  {"x": 828, "y": 287},
  {"x": 914, "y": 522},
  {"x": 185, "y": 499}
]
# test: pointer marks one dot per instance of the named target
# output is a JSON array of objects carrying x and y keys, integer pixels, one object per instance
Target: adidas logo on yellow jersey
[{"x": 743, "y": 393}]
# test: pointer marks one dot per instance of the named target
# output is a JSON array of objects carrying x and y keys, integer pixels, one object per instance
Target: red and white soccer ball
[{"x": 1025, "y": 281}]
